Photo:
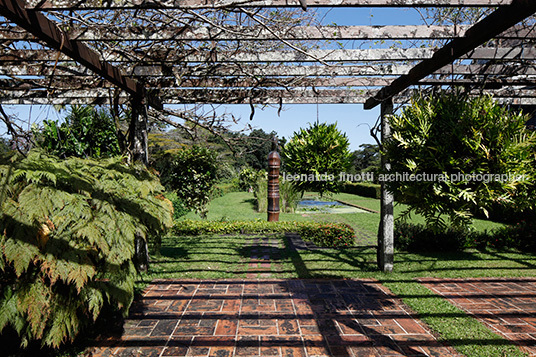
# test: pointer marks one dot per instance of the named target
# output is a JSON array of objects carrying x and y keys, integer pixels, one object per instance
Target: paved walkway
[
  {"x": 264, "y": 256},
  {"x": 271, "y": 318},
  {"x": 506, "y": 306}
]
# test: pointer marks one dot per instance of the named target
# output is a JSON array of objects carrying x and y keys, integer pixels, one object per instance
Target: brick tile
[
  {"x": 221, "y": 352},
  {"x": 256, "y": 330},
  {"x": 177, "y": 347},
  {"x": 164, "y": 328},
  {"x": 288, "y": 327},
  {"x": 230, "y": 305},
  {"x": 410, "y": 326},
  {"x": 247, "y": 346},
  {"x": 226, "y": 327},
  {"x": 315, "y": 345},
  {"x": 139, "y": 351}
]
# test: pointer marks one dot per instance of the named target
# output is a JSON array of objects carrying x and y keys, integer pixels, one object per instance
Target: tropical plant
[
  {"x": 477, "y": 149},
  {"x": 191, "y": 173},
  {"x": 67, "y": 233},
  {"x": 319, "y": 154},
  {"x": 289, "y": 195},
  {"x": 86, "y": 132}
]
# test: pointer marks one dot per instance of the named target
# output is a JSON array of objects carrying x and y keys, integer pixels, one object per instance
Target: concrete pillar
[{"x": 386, "y": 230}]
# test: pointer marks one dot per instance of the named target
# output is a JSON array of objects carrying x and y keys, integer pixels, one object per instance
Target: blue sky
[{"x": 350, "y": 118}]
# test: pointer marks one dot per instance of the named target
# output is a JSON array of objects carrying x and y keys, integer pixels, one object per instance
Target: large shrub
[
  {"x": 458, "y": 138},
  {"x": 336, "y": 235},
  {"x": 67, "y": 232},
  {"x": 192, "y": 174},
  {"x": 316, "y": 153}
]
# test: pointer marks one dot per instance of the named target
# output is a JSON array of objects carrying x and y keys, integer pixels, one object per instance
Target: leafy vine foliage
[
  {"x": 67, "y": 230},
  {"x": 459, "y": 138}
]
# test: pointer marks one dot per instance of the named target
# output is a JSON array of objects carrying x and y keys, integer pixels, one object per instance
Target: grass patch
[{"x": 200, "y": 257}]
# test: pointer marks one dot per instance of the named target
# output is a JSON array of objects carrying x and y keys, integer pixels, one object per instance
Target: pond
[{"x": 317, "y": 206}]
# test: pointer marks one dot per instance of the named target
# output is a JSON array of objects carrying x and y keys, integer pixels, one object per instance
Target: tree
[
  {"x": 318, "y": 155},
  {"x": 463, "y": 141},
  {"x": 367, "y": 159},
  {"x": 257, "y": 145},
  {"x": 191, "y": 173},
  {"x": 86, "y": 132}
]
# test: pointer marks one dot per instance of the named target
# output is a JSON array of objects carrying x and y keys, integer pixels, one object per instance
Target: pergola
[{"x": 153, "y": 53}]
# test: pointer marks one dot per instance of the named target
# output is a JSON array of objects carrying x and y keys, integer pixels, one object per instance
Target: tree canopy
[{"x": 319, "y": 154}]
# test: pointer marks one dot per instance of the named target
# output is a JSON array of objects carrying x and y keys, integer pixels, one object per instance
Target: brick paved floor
[
  {"x": 506, "y": 306},
  {"x": 270, "y": 318},
  {"x": 264, "y": 255}
]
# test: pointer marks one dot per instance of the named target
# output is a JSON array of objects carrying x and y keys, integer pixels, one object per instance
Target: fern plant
[{"x": 67, "y": 232}]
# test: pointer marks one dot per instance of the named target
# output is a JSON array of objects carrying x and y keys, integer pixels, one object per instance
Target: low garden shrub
[
  {"x": 364, "y": 189},
  {"x": 322, "y": 234},
  {"x": 179, "y": 207},
  {"x": 67, "y": 233},
  {"x": 419, "y": 238}
]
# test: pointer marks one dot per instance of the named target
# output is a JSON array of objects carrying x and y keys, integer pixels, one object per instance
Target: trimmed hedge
[
  {"x": 419, "y": 238},
  {"x": 371, "y": 190},
  {"x": 334, "y": 235}
]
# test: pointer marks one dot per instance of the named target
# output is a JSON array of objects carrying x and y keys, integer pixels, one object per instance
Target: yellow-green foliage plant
[
  {"x": 67, "y": 230},
  {"x": 477, "y": 149}
]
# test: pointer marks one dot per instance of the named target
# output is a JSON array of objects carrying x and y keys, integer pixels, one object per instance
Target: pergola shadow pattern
[{"x": 271, "y": 318}]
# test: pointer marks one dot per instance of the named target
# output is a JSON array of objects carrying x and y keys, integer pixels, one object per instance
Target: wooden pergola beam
[
  {"x": 217, "y": 4},
  {"x": 251, "y": 33},
  {"x": 336, "y": 56},
  {"x": 235, "y": 96},
  {"x": 267, "y": 100},
  {"x": 495, "y": 23},
  {"x": 165, "y": 84},
  {"x": 49, "y": 32},
  {"x": 254, "y": 33},
  {"x": 152, "y": 73}
]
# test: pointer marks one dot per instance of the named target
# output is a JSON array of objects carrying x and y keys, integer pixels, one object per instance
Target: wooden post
[
  {"x": 138, "y": 146},
  {"x": 274, "y": 163},
  {"x": 386, "y": 230},
  {"x": 138, "y": 150}
]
